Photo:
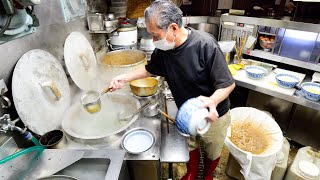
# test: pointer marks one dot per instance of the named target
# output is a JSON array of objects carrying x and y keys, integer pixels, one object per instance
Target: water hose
[{"x": 37, "y": 147}]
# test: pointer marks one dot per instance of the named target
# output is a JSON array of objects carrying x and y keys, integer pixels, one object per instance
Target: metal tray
[{"x": 267, "y": 66}]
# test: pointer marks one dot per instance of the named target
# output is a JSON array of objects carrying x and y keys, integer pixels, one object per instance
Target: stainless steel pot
[
  {"x": 119, "y": 62},
  {"x": 54, "y": 139},
  {"x": 95, "y": 21},
  {"x": 206, "y": 27},
  {"x": 151, "y": 110}
]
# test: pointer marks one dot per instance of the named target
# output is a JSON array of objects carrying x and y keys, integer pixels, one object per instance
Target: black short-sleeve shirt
[{"x": 197, "y": 67}]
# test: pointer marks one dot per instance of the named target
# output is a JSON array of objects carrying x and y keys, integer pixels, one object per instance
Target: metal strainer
[{"x": 91, "y": 100}]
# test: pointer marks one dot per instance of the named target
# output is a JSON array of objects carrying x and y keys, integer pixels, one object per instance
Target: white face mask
[{"x": 163, "y": 43}]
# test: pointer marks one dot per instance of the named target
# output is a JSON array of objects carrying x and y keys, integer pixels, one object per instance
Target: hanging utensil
[
  {"x": 91, "y": 100},
  {"x": 124, "y": 116}
]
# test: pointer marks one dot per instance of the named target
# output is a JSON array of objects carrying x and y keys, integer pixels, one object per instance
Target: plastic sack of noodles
[{"x": 254, "y": 139}]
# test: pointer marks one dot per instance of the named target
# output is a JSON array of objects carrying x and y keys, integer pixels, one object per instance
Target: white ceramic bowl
[
  {"x": 255, "y": 72},
  {"x": 137, "y": 141},
  {"x": 191, "y": 118}
]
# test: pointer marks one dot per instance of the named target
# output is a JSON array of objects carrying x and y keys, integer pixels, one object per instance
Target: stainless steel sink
[
  {"x": 7, "y": 146},
  {"x": 106, "y": 164},
  {"x": 91, "y": 168}
]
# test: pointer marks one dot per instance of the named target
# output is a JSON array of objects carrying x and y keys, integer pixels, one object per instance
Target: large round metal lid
[
  {"x": 81, "y": 125},
  {"x": 40, "y": 90},
  {"x": 81, "y": 61}
]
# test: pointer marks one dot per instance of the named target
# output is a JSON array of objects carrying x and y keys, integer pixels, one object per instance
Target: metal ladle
[
  {"x": 91, "y": 100},
  {"x": 124, "y": 116}
]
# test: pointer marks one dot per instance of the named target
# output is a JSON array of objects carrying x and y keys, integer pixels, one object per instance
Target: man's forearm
[
  {"x": 221, "y": 94},
  {"x": 137, "y": 74}
]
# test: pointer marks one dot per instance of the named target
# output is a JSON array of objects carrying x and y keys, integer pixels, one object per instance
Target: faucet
[{"x": 6, "y": 124}]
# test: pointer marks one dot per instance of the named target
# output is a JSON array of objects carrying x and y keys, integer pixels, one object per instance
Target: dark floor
[{"x": 179, "y": 169}]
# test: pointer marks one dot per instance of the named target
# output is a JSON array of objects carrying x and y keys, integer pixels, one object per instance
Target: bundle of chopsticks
[{"x": 240, "y": 43}]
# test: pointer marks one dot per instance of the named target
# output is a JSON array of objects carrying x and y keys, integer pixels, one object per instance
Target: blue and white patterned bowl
[
  {"x": 311, "y": 91},
  {"x": 255, "y": 72},
  {"x": 191, "y": 118},
  {"x": 287, "y": 80}
]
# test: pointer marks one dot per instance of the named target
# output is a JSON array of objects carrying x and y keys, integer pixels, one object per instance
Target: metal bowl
[
  {"x": 138, "y": 141},
  {"x": 144, "y": 87},
  {"x": 53, "y": 139}
]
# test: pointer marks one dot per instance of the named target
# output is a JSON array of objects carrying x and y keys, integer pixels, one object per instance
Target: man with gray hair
[{"x": 194, "y": 66}]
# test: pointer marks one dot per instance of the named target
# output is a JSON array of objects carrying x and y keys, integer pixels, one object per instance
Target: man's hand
[
  {"x": 209, "y": 103},
  {"x": 118, "y": 82}
]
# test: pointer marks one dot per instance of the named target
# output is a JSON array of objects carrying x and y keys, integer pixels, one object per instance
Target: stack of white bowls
[{"x": 119, "y": 8}]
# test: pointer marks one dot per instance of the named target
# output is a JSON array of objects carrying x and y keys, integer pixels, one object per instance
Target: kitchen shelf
[
  {"x": 102, "y": 31},
  {"x": 265, "y": 33}
]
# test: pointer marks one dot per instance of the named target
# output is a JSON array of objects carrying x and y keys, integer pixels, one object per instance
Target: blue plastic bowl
[
  {"x": 255, "y": 72},
  {"x": 311, "y": 91},
  {"x": 287, "y": 80}
]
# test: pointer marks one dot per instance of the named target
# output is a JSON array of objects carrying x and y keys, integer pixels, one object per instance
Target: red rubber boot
[
  {"x": 209, "y": 167},
  {"x": 192, "y": 165}
]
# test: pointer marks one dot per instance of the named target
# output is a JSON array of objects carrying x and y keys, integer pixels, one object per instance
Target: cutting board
[{"x": 269, "y": 81}]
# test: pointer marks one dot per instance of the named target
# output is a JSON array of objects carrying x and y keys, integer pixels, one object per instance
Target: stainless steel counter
[
  {"x": 297, "y": 98},
  {"x": 173, "y": 145}
]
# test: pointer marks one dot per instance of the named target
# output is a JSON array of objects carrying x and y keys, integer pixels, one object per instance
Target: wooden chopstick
[
  {"x": 167, "y": 116},
  {"x": 244, "y": 39}
]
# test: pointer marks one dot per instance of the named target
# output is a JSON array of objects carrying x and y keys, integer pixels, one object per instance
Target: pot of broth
[{"x": 119, "y": 62}]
